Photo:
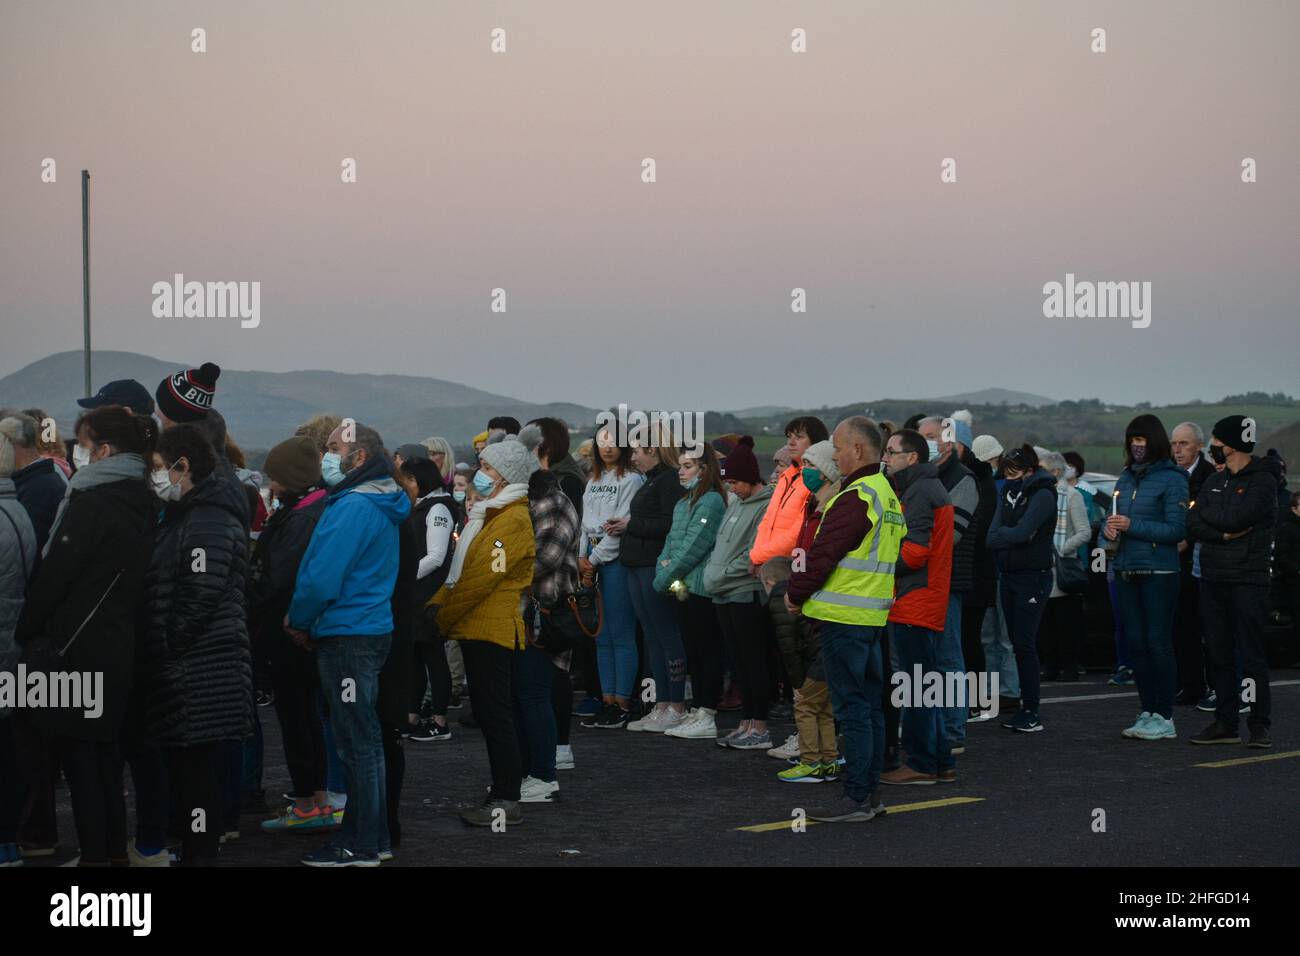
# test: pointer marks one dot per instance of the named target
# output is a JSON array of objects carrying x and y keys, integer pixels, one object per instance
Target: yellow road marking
[
  {"x": 892, "y": 809},
  {"x": 1241, "y": 760}
]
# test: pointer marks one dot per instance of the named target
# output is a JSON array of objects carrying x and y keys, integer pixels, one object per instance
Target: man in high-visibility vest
[{"x": 846, "y": 583}]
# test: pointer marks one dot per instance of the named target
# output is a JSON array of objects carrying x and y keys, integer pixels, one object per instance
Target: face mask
[
  {"x": 1071, "y": 473},
  {"x": 1218, "y": 454},
  {"x": 884, "y": 467},
  {"x": 275, "y": 504},
  {"x": 458, "y": 495},
  {"x": 161, "y": 480},
  {"x": 483, "y": 484},
  {"x": 1138, "y": 453},
  {"x": 812, "y": 479},
  {"x": 689, "y": 485},
  {"x": 934, "y": 449},
  {"x": 330, "y": 471},
  {"x": 81, "y": 456}
]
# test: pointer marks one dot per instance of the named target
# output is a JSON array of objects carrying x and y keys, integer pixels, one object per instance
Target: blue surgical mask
[
  {"x": 483, "y": 484},
  {"x": 812, "y": 479},
  {"x": 459, "y": 496},
  {"x": 689, "y": 485},
  {"x": 330, "y": 471},
  {"x": 934, "y": 449}
]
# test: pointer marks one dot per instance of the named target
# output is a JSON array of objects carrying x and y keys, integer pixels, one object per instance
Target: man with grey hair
[
  {"x": 39, "y": 483},
  {"x": 847, "y": 585},
  {"x": 1188, "y": 441},
  {"x": 342, "y": 605}
]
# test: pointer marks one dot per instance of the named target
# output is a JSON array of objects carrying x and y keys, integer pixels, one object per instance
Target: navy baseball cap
[{"x": 126, "y": 391}]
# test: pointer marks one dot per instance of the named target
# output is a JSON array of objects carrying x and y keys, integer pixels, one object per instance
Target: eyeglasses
[{"x": 897, "y": 451}]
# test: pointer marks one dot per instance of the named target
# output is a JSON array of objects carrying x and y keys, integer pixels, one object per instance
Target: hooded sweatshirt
[
  {"x": 726, "y": 576},
  {"x": 924, "y": 573},
  {"x": 1024, "y": 523},
  {"x": 346, "y": 578}
]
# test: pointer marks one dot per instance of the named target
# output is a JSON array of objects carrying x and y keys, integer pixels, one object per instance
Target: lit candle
[{"x": 1114, "y": 503}]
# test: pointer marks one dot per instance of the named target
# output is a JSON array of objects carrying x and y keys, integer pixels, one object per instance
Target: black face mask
[
  {"x": 1218, "y": 455},
  {"x": 1138, "y": 453}
]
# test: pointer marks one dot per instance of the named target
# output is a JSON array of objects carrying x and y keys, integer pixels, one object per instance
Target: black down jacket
[
  {"x": 1229, "y": 504},
  {"x": 195, "y": 674}
]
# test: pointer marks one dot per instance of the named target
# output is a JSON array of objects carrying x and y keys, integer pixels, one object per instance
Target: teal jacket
[
  {"x": 1155, "y": 502},
  {"x": 726, "y": 575},
  {"x": 689, "y": 541}
]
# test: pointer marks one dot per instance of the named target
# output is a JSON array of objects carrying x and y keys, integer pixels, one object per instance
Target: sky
[{"x": 775, "y": 170}]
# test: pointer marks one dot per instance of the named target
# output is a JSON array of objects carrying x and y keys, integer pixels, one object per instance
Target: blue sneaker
[
  {"x": 1122, "y": 678},
  {"x": 1138, "y": 726},
  {"x": 1157, "y": 728},
  {"x": 9, "y": 855},
  {"x": 589, "y": 707},
  {"x": 331, "y": 854}
]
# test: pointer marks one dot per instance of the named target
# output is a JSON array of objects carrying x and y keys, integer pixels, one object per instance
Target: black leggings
[
  {"x": 394, "y": 774},
  {"x": 747, "y": 624},
  {"x": 94, "y": 772},
  {"x": 196, "y": 782},
  {"x": 431, "y": 670},
  {"x": 562, "y": 704},
  {"x": 972, "y": 646},
  {"x": 297, "y": 681},
  {"x": 703, "y": 650}
]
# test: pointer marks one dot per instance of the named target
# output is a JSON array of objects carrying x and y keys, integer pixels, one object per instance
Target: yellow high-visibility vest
[{"x": 860, "y": 590}]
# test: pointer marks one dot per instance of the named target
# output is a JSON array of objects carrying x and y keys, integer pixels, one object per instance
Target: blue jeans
[
  {"x": 335, "y": 782},
  {"x": 950, "y": 661},
  {"x": 851, "y": 658},
  {"x": 1147, "y": 603},
  {"x": 534, "y": 716},
  {"x": 999, "y": 655},
  {"x": 1121, "y": 639},
  {"x": 663, "y": 638},
  {"x": 616, "y": 642},
  {"x": 357, "y": 659},
  {"x": 925, "y": 736}
]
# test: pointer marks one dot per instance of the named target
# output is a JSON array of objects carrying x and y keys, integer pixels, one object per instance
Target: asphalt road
[{"x": 1021, "y": 799}]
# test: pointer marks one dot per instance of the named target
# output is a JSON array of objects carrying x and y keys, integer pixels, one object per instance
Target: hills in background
[{"x": 262, "y": 408}]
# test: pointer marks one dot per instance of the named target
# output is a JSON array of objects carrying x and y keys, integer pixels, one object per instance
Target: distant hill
[
  {"x": 263, "y": 408},
  {"x": 994, "y": 396}
]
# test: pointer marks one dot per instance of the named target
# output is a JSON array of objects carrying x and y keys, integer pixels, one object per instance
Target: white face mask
[
  {"x": 161, "y": 482},
  {"x": 81, "y": 456}
]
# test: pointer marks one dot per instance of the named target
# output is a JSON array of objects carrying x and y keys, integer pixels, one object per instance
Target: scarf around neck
[
  {"x": 507, "y": 495},
  {"x": 103, "y": 472}
]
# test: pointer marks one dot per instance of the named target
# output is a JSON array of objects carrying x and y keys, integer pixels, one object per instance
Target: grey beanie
[
  {"x": 819, "y": 456},
  {"x": 510, "y": 459},
  {"x": 530, "y": 436}
]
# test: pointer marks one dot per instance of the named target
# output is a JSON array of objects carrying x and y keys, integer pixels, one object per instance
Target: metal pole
[{"x": 85, "y": 270}]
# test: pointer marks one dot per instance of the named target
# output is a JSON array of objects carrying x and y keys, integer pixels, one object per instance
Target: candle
[{"x": 1114, "y": 503}]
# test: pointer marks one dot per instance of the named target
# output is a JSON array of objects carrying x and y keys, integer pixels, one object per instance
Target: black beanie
[
  {"x": 741, "y": 465},
  {"x": 187, "y": 395},
  {"x": 1231, "y": 430},
  {"x": 294, "y": 464}
]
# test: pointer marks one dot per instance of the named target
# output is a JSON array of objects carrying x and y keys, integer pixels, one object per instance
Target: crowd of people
[{"x": 365, "y": 593}]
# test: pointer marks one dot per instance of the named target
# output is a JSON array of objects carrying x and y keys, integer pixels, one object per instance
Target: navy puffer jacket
[
  {"x": 1154, "y": 500},
  {"x": 195, "y": 674}
]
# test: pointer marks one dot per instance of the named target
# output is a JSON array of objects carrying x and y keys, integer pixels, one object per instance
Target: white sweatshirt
[
  {"x": 606, "y": 497},
  {"x": 437, "y": 535}
]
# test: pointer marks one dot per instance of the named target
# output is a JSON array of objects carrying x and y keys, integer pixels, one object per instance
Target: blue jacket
[
  {"x": 345, "y": 581},
  {"x": 1156, "y": 505}
]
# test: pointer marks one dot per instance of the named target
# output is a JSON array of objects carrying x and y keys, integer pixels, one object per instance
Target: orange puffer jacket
[{"x": 779, "y": 532}]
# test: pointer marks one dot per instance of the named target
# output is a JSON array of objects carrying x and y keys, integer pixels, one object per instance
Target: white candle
[{"x": 1114, "y": 504}]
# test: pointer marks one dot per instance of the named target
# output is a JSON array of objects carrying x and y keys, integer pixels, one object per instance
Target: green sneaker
[
  {"x": 831, "y": 771},
  {"x": 802, "y": 773},
  {"x": 291, "y": 818}
]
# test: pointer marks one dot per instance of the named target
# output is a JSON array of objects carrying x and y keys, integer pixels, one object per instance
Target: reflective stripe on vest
[{"x": 860, "y": 589}]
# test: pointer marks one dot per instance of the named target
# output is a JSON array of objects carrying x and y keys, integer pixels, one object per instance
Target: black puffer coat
[
  {"x": 650, "y": 518},
  {"x": 1232, "y": 503},
  {"x": 195, "y": 675}
]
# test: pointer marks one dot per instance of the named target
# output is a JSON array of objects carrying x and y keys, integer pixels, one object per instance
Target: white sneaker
[
  {"x": 787, "y": 750},
  {"x": 564, "y": 757},
  {"x": 670, "y": 719},
  {"x": 649, "y": 723},
  {"x": 702, "y": 727},
  {"x": 532, "y": 790}
]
